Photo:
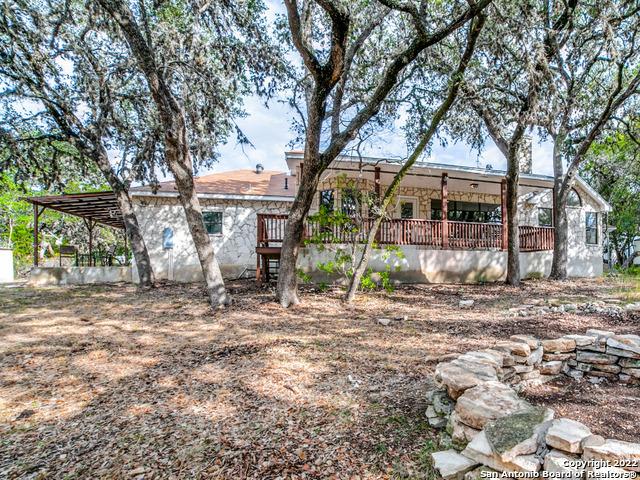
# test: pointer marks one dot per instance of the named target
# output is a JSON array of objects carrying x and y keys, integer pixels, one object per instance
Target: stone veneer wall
[
  {"x": 494, "y": 430},
  {"x": 234, "y": 248}
]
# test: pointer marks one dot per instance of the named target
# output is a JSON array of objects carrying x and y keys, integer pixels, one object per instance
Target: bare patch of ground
[
  {"x": 108, "y": 382},
  {"x": 609, "y": 409}
]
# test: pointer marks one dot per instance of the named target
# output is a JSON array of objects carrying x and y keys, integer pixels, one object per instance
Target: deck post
[
  {"x": 90, "y": 224},
  {"x": 376, "y": 186},
  {"x": 445, "y": 210},
  {"x": 503, "y": 213}
]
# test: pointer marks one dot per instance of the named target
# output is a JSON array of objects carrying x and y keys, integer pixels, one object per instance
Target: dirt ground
[{"x": 108, "y": 382}]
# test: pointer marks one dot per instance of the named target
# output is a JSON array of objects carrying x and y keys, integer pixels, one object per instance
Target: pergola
[{"x": 94, "y": 208}]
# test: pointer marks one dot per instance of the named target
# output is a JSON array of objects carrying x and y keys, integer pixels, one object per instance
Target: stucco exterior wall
[
  {"x": 43, "y": 276},
  {"x": 234, "y": 248},
  {"x": 6, "y": 265}
]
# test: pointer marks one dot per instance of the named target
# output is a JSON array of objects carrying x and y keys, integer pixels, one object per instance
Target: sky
[{"x": 269, "y": 130}]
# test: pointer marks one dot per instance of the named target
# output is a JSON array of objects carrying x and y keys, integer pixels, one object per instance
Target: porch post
[
  {"x": 445, "y": 210},
  {"x": 503, "y": 213},
  {"x": 376, "y": 186},
  {"x": 36, "y": 243}
]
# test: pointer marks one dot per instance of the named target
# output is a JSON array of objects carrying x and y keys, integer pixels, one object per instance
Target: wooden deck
[{"x": 431, "y": 234}]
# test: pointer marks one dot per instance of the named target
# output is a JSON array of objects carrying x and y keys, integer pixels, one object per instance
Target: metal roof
[{"x": 100, "y": 207}]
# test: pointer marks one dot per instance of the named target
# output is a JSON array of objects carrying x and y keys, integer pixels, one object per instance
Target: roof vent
[{"x": 259, "y": 168}]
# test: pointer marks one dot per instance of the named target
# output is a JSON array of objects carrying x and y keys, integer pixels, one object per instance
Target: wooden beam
[
  {"x": 444, "y": 193},
  {"x": 503, "y": 214}
]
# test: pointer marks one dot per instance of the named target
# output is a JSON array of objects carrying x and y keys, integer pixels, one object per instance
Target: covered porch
[{"x": 444, "y": 224}]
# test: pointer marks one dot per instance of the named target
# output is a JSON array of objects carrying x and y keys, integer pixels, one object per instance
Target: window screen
[
  {"x": 326, "y": 200},
  {"x": 213, "y": 222},
  {"x": 545, "y": 217},
  {"x": 467, "y": 211}
]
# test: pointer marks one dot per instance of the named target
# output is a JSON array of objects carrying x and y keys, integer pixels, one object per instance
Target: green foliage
[
  {"x": 341, "y": 232},
  {"x": 614, "y": 170}
]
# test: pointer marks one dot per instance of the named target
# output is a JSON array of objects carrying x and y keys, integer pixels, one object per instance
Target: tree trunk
[
  {"x": 513, "y": 230},
  {"x": 561, "y": 228},
  {"x": 287, "y": 290},
  {"x": 361, "y": 267},
  {"x": 176, "y": 142},
  {"x": 179, "y": 161},
  {"x": 132, "y": 228},
  {"x": 560, "y": 237}
]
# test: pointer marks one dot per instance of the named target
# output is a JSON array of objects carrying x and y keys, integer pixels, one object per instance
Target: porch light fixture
[{"x": 474, "y": 185}]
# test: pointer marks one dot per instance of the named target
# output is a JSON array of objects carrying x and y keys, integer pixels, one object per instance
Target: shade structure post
[{"x": 36, "y": 243}]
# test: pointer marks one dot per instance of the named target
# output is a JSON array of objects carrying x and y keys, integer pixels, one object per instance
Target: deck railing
[{"x": 429, "y": 233}]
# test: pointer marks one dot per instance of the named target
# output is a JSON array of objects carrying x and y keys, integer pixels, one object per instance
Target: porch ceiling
[
  {"x": 424, "y": 176},
  {"x": 100, "y": 207}
]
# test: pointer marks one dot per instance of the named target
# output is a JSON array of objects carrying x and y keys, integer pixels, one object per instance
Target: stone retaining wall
[{"x": 492, "y": 429}]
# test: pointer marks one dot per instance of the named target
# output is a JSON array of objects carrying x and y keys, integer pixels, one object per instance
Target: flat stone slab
[
  {"x": 581, "y": 340},
  {"x": 567, "y": 435},
  {"x": 519, "y": 433},
  {"x": 530, "y": 340},
  {"x": 559, "y": 345},
  {"x": 626, "y": 454},
  {"x": 459, "y": 375},
  {"x": 461, "y": 434},
  {"x": 480, "y": 450},
  {"x": 486, "y": 402},
  {"x": 563, "y": 465},
  {"x": 452, "y": 465},
  {"x": 598, "y": 358},
  {"x": 551, "y": 368},
  {"x": 514, "y": 348},
  {"x": 630, "y": 343}
]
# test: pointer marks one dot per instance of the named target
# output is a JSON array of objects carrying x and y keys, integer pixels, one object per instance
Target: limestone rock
[
  {"x": 614, "y": 450},
  {"x": 632, "y": 372},
  {"x": 482, "y": 357},
  {"x": 479, "y": 473},
  {"x": 551, "y": 368},
  {"x": 629, "y": 363},
  {"x": 452, "y": 465},
  {"x": 530, "y": 340},
  {"x": 480, "y": 450},
  {"x": 523, "y": 368},
  {"x": 552, "y": 357},
  {"x": 507, "y": 359},
  {"x": 600, "y": 333},
  {"x": 519, "y": 433},
  {"x": 536, "y": 356},
  {"x": 599, "y": 358},
  {"x": 465, "y": 303},
  {"x": 458, "y": 376},
  {"x": 559, "y": 345},
  {"x": 630, "y": 343},
  {"x": 514, "y": 348},
  {"x": 622, "y": 353},
  {"x": 384, "y": 321},
  {"x": 486, "y": 402},
  {"x": 461, "y": 434},
  {"x": 567, "y": 435},
  {"x": 581, "y": 340},
  {"x": 557, "y": 462},
  {"x": 575, "y": 374}
]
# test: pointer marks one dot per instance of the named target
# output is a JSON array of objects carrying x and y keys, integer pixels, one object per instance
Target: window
[
  {"x": 545, "y": 217},
  {"x": 326, "y": 200},
  {"x": 350, "y": 202},
  {"x": 406, "y": 209},
  {"x": 573, "y": 200},
  {"x": 467, "y": 211},
  {"x": 591, "y": 228},
  {"x": 213, "y": 222}
]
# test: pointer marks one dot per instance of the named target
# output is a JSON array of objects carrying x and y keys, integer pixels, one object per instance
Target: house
[{"x": 245, "y": 213}]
